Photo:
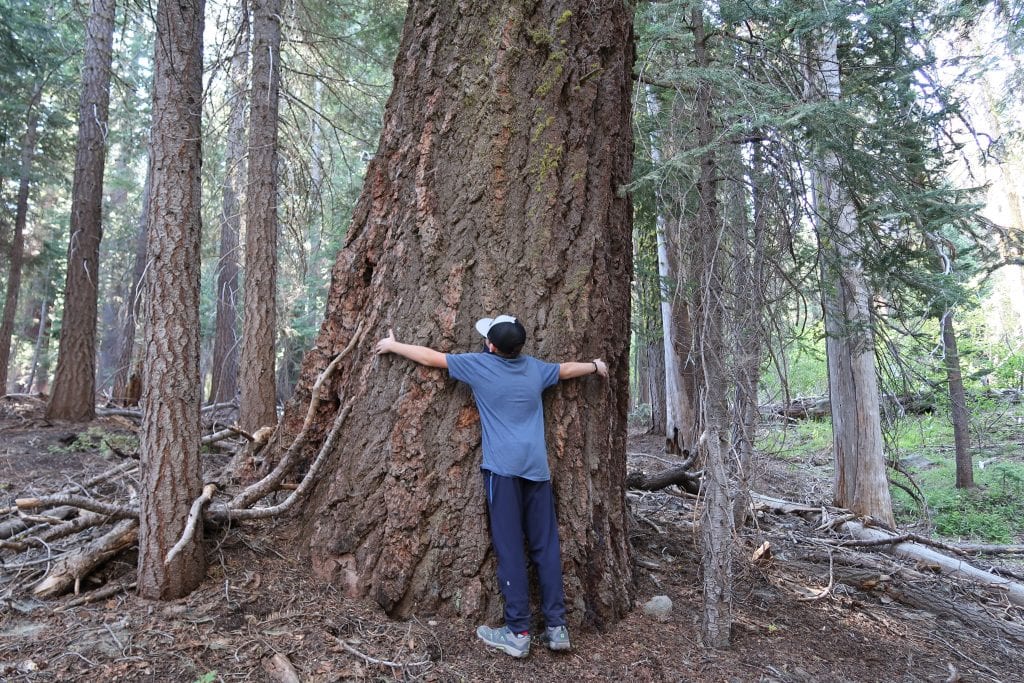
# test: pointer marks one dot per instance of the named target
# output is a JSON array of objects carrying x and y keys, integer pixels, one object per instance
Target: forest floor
[{"x": 258, "y": 601}]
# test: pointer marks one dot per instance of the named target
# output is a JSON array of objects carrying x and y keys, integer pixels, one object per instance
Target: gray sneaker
[
  {"x": 557, "y": 637},
  {"x": 506, "y": 641}
]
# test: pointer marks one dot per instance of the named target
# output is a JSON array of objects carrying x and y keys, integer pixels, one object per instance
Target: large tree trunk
[
  {"x": 258, "y": 400},
  {"x": 861, "y": 483},
  {"x": 496, "y": 187},
  {"x": 169, "y": 433},
  {"x": 17, "y": 252},
  {"x": 74, "y": 382},
  {"x": 224, "y": 376}
]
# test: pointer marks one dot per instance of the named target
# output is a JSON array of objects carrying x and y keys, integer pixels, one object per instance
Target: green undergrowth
[
  {"x": 97, "y": 439},
  {"x": 992, "y": 511},
  {"x": 797, "y": 441}
]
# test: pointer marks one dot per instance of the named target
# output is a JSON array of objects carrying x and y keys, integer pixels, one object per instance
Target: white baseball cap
[{"x": 484, "y": 325}]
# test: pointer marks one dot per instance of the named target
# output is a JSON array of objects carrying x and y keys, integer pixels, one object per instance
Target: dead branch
[
  {"x": 217, "y": 406},
  {"x": 908, "y": 587},
  {"x": 268, "y": 483},
  {"x": 956, "y": 567},
  {"x": 373, "y": 660},
  {"x": 226, "y": 434},
  {"x": 112, "y": 511},
  {"x": 984, "y": 549},
  {"x": 120, "y": 468},
  {"x": 195, "y": 516},
  {"x": 68, "y": 571},
  {"x": 52, "y": 517},
  {"x": 83, "y": 521},
  {"x": 229, "y": 512},
  {"x": 96, "y": 595},
  {"x": 905, "y": 545},
  {"x": 121, "y": 412},
  {"x": 20, "y": 526}
]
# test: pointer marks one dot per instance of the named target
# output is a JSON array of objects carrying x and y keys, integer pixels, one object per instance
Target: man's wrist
[{"x": 596, "y": 369}]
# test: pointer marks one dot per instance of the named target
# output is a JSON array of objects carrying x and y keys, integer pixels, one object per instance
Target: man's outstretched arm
[
  {"x": 420, "y": 354},
  {"x": 571, "y": 370}
]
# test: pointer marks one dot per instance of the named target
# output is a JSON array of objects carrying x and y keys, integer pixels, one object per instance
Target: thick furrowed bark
[{"x": 494, "y": 189}]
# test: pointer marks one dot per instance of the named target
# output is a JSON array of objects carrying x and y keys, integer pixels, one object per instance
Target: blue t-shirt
[{"x": 507, "y": 393}]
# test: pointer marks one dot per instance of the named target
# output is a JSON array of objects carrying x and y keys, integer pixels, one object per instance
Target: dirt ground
[{"x": 259, "y": 601}]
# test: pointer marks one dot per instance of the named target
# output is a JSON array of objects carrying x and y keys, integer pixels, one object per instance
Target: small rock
[{"x": 659, "y": 608}]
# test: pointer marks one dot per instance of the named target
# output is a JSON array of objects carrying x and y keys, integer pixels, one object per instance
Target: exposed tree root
[
  {"x": 77, "y": 564},
  {"x": 195, "y": 515}
]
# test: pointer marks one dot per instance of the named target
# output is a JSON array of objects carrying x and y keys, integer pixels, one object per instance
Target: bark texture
[
  {"x": 74, "y": 382},
  {"x": 496, "y": 188},
  {"x": 958, "y": 404},
  {"x": 707, "y": 274},
  {"x": 127, "y": 375},
  {"x": 17, "y": 253},
  {"x": 861, "y": 483},
  {"x": 224, "y": 368},
  {"x": 169, "y": 433},
  {"x": 258, "y": 400}
]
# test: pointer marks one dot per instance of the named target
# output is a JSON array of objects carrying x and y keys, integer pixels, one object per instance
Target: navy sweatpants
[{"x": 523, "y": 510}]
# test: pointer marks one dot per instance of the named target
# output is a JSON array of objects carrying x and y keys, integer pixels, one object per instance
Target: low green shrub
[{"x": 993, "y": 511}]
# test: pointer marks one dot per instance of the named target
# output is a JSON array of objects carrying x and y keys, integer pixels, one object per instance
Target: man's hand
[
  {"x": 602, "y": 369},
  {"x": 387, "y": 344},
  {"x": 424, "y": 355}
]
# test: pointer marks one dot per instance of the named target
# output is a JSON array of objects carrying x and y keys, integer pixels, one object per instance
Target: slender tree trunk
[
  {"x": 680, "y": 387},
  {"x": 708, "y": 272},
  {"x": 42, "y": 334},
  {"x": 746, "y": 335},
  {"x": 169, "y": 433},
  {"x": 17, "y": 251},
  {"x": 124, "y": 391},
  {"x": 861, "y": 483},
  {"x": 258, "y": 401},
  {"x": 110, "y": 329},
  {"x": 74, "y": 383},
  {"x": 958, "y": 402},
  {"x": 655, "y": 387},
  {"x": 224, "y": 370},
  {"x": 496, "y": 187}
]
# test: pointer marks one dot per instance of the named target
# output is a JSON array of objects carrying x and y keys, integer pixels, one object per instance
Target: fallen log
[
  {"x": 68, "y": 571},
  {"x": 114, "y": 511},
  {"x": 679, "y": 474},
  {"x": 906, "y": 586},
  {"x": 931, "y": 558},
  {"x": 897, "y": 545},
  {"x": 16, "y": 526},
  {"x": 989, "y": 549}
]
